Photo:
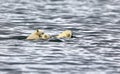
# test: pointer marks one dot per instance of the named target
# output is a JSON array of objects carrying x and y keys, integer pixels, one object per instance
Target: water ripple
[{"x": 93, "y": 50}]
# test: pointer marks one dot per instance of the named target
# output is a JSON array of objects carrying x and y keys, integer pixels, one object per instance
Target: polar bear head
[
  {"x": 45, "y": 36},
  {"x": 65, "y": 34}
]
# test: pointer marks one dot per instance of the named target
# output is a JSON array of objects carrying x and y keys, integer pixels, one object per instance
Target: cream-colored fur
[
  {"x": 36, "y": 35},
  {"x": 39, "y": 34},
  {"x": 65, "y": 34},
  {"x": 45, "y": 36}
]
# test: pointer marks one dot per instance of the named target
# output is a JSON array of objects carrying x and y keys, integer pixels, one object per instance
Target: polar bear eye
[
  {"x": 42, "y": 33},
  {"x": 40, "y": 36}
]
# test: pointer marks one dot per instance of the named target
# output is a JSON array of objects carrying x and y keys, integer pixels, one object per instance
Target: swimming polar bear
[
  {"x": 38, "y": 34},
  {"x": 65, "y": 34}
]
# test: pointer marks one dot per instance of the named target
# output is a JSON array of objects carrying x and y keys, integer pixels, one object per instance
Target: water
[{"x": 94, "y": 50}]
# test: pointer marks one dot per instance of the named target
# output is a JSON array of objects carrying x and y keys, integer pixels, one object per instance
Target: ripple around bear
[{"x": 39, "y": 34}]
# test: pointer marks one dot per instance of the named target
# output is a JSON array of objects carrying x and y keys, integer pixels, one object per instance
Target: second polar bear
[{"x": 65, "y": 34}]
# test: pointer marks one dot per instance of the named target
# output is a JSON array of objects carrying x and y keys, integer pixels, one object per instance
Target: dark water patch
[
  {"x": 76, "y": 21},
  {"x": 20, "y": 9},
  {"x": 33, "y": 72},
  {"x": 94, "y": 17},
  {"x": 20, "y": 12},
  {"x": 53, "y": 56},
  {"x": 25, "y": 21},
  {"x": 22, "y": 19},
  {"x": 98, "y": 43},
  {"x": 20, "y": 63},
  {"x": 93, "y": 35},
  {"x": 115, "y": 66},
  {"x": 8, "y": 69},
  {"x": 73, "y": 29},
  {"x": 36, "y": 41},
  {"x": 108, "y": 41},
  {"x": 102, "y": 68},
  {"x": 50, "y": 17},
  {"x": 69, "y": 16},
  {"x": 111, "y": 54},
  {"x": 103, "y": 63},
  {"x": 115, "y": 28},
  {"x": 55, "y": 40},
  {"x": 19, "y": 37},
  {"x": 58, "y": 54},
  {"x": 103, "y": 45},
  {"x": 115, "y": 47},
  {"x": 74, "y": 37},
  {"x": 118, "y": 22},
  {"x": 14, "y": 37},
  {"x": 11, "y": 71},
  {"x": 56, "y": 50},
  {"x": 39, "y": 68},
  {"x": 86, "y": 46},
  {"x": 62, "y": 63}
]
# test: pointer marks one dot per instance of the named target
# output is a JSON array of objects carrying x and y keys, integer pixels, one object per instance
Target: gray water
[{"x": 95, "y": 49}]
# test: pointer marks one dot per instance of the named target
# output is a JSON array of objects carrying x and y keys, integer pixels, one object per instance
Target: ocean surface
[{"x": 95, "y": 48}]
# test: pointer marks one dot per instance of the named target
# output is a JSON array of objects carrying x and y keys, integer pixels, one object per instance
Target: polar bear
[
  {"x": 38, "y": 34},
  {"x": 35, "y": 35},
  {"x": 65, "y": 34}
]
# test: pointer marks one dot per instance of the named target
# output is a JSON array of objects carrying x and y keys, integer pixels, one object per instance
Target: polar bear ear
[
  {"x": 40, "y": 31},
  {"x": 37, "y": 30}
]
